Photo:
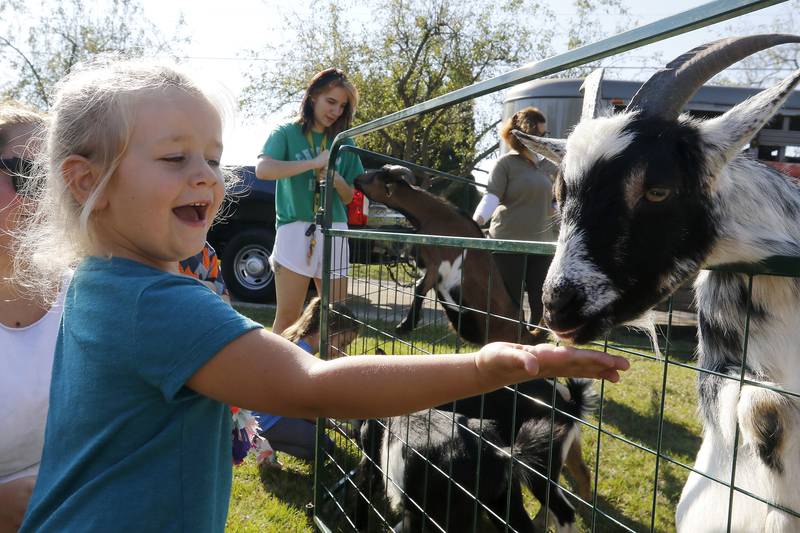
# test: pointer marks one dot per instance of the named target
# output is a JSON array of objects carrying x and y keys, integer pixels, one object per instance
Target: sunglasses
[{"x": 19, "y": 169}]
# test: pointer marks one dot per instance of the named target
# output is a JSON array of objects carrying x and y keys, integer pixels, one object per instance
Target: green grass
[
  {"x": 401, "y": 272},
  {"x": 275, "y": 500}
]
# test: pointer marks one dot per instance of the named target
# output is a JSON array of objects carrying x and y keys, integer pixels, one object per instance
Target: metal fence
[{"x": 638, "y": 444}]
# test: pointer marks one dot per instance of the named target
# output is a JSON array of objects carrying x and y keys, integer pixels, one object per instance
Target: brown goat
[{"x": 468, "y": 283}]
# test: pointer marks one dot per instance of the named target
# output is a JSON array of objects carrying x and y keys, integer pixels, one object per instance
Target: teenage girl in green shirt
[{"x": 296, "y": 154}]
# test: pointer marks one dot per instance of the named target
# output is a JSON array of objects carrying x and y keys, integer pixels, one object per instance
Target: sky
[{"x": 221, "y": 37}]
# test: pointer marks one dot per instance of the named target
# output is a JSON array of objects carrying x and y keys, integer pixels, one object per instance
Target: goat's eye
[{"x": 657, "y": 194}]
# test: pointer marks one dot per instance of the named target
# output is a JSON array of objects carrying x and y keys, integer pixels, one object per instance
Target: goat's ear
[
  {"x": 400, "y": 172},
  {"x": 726, "y": 135},
  {"x": 551, "y": 149}
]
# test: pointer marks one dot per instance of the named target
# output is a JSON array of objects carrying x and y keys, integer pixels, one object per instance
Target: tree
[
  {"x": 410, "y": 52},
  {"x": 772, "y": 65},
  {"x": 60, "y": 34}
]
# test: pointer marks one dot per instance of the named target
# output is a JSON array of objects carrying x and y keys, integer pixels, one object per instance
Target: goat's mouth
[
  {"x": 194, "y": 214},
  {"x": 582, "y": 330}
]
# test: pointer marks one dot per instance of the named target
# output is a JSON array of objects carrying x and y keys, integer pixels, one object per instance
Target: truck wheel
[{"x": 245, "y": 266}]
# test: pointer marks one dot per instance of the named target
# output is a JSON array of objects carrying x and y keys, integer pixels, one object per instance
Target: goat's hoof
[{"x": 403, "y": 327}]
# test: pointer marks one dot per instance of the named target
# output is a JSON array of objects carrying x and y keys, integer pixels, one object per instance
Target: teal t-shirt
[
  {"x": 127, "y": 446},
  {"x": 294, "y": 196}
]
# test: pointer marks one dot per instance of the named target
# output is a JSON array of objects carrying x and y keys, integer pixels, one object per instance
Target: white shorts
[{"x": 291, "y": 251}]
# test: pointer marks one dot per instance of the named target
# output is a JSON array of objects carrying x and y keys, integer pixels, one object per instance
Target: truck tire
[{"x": 245, "y": 266}]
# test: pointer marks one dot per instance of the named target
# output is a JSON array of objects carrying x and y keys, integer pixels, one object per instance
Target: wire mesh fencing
[
  {"x": 549, "y": 454},
  {"x": 616, "y": 462}
]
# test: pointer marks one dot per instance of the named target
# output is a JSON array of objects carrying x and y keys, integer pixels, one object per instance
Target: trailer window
[
  {"x": 775, "y": 123},
  {"x": 792, "y": 154},
  {"x": 769, "y": 153}
]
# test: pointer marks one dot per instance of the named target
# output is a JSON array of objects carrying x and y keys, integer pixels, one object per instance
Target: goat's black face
[
  {"x": 636, "y": 220},
  {"x": 381, "y": 185}
]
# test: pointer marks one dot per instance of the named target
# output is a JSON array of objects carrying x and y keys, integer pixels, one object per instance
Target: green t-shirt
[{"x": 294, "y": 196}]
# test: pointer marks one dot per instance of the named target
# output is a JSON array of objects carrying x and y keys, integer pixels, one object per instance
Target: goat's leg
[
  {"x": 578, "y": 469},
  {"x": 560, "y": 510},
  {"x": 365, "y": 482},
  {"x": 769, "y": 425},
  {"x": 518, "y": 517},
  {"x": 766, "y": 464},
  {"x": 424, "y": 284}
]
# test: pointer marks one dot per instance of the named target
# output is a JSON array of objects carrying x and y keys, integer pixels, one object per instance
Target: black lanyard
[{"x": 313, "y": 227}]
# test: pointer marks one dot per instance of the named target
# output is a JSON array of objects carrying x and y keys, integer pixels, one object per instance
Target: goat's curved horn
[
  {"x": 668, "y": 90},
  {"x": 551, "y": 149},
  {"x": 592, "y": 102}
]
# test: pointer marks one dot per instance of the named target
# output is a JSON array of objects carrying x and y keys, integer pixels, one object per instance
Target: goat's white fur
[
  {"x": 449, "y": 278},
  {"x": 749, "y": 219},
  {"x": 594, "y": 140}
]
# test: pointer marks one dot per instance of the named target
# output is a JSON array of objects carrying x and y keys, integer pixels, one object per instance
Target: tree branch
[
  {"x": 480, "y": 157},
  {"x": 39, "y": 83}
]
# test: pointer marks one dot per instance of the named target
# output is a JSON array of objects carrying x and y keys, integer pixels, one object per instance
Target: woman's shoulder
[
  {"x": 513, "y": 157},
  {"x": 508, "y": 159},
  {"x": 287, "y": 129}
]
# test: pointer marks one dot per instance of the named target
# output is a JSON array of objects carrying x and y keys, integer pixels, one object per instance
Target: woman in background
[
  {"x": 28, "y": 328},
  {"x": 296, "y": 154},
  {"x": 519, "y": 203}
]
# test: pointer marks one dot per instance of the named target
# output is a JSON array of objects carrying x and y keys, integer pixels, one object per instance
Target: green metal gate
[{"x": 643, "y": 438}]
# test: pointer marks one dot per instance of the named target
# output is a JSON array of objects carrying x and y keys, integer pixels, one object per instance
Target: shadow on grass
[
  {"x": 677, "y": 439},
  {"x": 291, "y": 486},
  {"x": 603, "y": 523}
]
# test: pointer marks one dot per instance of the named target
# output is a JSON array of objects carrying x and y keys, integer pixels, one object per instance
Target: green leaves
[{"x": 56, "y": 35}]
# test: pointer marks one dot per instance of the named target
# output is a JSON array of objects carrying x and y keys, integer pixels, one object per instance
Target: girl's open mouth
[{"x": 194, "y": 213}]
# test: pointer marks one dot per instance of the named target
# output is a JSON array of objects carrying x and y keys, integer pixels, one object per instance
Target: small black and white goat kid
[
  {"x": 647, "y": 198},
  {"x": 431, "y": 463}
]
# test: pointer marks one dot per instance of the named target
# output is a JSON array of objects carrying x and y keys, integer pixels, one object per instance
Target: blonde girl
[
  {"x": 296, "y": 154},
  {"x": 147, "y": 361}
]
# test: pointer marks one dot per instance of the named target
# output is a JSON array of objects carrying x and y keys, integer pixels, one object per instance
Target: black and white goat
[
  {"x": 419, "y": 458},
  {"x": 510, "y": 408},
  {"x": 647, "y": 198},
  {"x": 468, "y": 283}
]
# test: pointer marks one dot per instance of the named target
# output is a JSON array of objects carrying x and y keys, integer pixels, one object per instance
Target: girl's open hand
[{"x": 512, "y": 363}]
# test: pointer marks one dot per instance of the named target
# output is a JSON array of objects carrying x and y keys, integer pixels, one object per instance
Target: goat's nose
[{"x": 562, "y": 298}]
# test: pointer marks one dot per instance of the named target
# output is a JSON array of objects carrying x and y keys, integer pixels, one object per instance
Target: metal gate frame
[{"x": 692, "y": 19}]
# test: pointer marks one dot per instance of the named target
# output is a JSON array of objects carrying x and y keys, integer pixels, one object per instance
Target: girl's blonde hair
[
  {"x": 340, "y": 320},
  {"x": 92, "y": 116}
]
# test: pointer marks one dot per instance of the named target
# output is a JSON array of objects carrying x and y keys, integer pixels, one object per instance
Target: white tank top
[{"x": 26, "y": 362}]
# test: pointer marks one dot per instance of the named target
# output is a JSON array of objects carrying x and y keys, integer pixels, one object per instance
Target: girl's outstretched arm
[{"x": 265, "y": 372}]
